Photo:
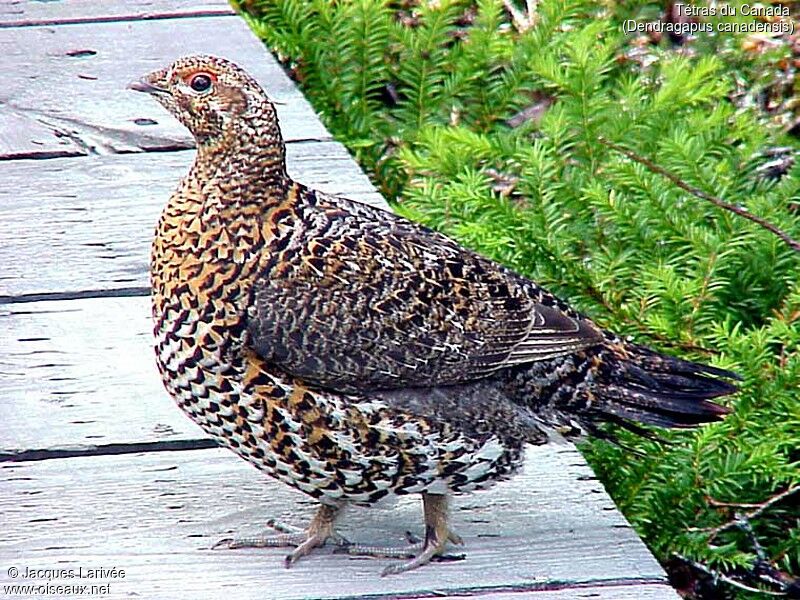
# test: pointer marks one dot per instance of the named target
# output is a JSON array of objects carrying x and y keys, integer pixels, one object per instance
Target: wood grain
[
  {"x": 86, "y": 223},
  {"x": 56, "y": 12},
  {"x": 550, "y": 527},
  {"x": 72, "y": 81}
]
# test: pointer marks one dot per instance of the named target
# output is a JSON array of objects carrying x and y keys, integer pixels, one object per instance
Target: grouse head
[{"x": 213, "y": 98}]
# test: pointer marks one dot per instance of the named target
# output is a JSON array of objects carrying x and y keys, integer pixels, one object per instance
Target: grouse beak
[
  {"x": 146, "y": 87},
  {"x": 150, "y": 83}
]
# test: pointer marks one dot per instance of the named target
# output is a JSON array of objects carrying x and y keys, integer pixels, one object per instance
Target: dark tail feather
[
  {"x": 638, "y": 385},
  {"x": 610, "y": 436}
]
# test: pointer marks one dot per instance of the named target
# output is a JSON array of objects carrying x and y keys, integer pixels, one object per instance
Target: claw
[
  {"x": 319, "y": 531},
  {"x": 454, "y": 538},
  {"x": 223, "y": 542}
]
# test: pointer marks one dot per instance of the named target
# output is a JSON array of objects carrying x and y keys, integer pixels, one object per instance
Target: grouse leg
[
  {"x": 319, "y": 531},
  {"x": 437, "y": 533}
]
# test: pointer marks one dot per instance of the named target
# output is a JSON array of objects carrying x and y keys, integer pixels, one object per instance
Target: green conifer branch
[{"x": 792, "y": 243}]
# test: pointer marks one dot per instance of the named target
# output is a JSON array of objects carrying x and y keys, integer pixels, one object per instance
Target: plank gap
[
  {"x": 43, "y": 155},
  {"x": 156, "y": 16},
  {"x": 106, "y": 450},
  {"x": 123, "y": 292},
  {"x": 166, "y": 148}
]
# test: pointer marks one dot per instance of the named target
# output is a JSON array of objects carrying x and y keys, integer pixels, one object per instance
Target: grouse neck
[{"x": 250, "y": 148}]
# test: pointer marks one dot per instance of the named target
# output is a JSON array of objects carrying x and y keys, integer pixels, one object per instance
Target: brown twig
[
  {"x": 720, "y": 504},
  {"x": 763, "y": 569},
  {"x": 736, "y": 521},
  {"x": 722, "y": 577},
  {"x": 686, "y": 346},
  {"x": 793, "y": 244}
]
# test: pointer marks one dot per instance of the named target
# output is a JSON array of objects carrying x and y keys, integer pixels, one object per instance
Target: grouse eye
[{"x": 200, "y": 82}]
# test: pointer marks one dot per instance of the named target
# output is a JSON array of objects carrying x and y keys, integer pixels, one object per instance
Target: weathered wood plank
[
  {"x": 86, "y": 223},
  {"x": 589, "y": 592},
  {"x": 81, "y": 373},
  {"x": 21, "y": 13},
  {"x": 653, "y": 591},
  {"x": 156, "y": 515},
  {"x": 71, "y": 80},
  {"x": 30, "y": 138}
]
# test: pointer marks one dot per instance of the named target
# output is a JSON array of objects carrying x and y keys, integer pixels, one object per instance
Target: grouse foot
[
  {"x": 437, "y": 534},
  {"x": 415, "y": 546},
  {"x": 319, "y": 531}
]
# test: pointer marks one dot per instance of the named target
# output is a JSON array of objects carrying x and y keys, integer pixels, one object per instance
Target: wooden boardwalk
[{"x": 99, "y": 468}]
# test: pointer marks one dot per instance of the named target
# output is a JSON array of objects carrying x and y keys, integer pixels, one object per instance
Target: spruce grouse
[{"x": 354, "y": 354}]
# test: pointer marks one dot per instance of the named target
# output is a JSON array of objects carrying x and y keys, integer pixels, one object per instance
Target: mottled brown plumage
[{"x": 354, "y": 354}]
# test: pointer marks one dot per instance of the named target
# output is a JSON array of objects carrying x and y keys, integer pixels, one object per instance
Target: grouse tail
[{"x": 632, "y": 384}]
